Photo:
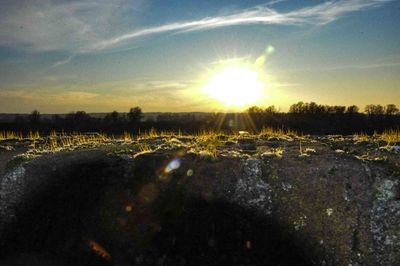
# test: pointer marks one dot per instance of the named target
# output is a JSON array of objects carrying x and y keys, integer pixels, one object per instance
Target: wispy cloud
[
  {"x": 47, "y": 25},
  {"x": 81, "y": 27},
  {"x": 315, "y": 15},
  {"x": 366, "y": 66},
  {"x": 64, "y": 61}
]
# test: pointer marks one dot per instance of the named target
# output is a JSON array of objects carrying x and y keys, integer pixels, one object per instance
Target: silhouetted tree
[
  {"x": 369, "y": 109},
  {"x": 322, "y": 109},
  {"x": 297, "y": 108},
  {"x": 312, "y": 108},
  {"x": 271, "y": 110},
  {"x": 34, "y": 117},
  {"x": 352, "y": 109},
  {"x": 135, "y": 114},
  {"x": 81, "y": 116},
  {"x": 78, "y": 117},
  {"x": 254, "y": 109},
  {"x": 339, "y": 109},
  {"x": 372, "y": 109},
  {"x": 112, "y": 117},
  {"x": 391, "y": 109},
  {"x": 257, "y": 115},
  {"x": 379, "y": 110}
]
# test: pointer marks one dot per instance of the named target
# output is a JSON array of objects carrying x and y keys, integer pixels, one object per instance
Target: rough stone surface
[
  {"x": 251, "y": 190},
  {"x": 385, "y": 222},
  {"x": 11, "y": 191},
  {"x": 343, "y": 207}
]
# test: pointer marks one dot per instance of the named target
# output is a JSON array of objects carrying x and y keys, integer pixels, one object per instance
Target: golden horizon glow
[{"x": 235, "y": 86}]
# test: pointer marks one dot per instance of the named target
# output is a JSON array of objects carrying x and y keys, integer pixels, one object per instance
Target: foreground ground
[{"x": 270, "y": 199}]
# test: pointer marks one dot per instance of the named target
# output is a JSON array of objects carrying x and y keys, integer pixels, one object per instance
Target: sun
[{"x": 235, "y": 86}]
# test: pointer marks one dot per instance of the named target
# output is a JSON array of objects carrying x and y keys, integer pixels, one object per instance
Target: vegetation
[
  {"x": 390, "y": 136},
  {"x": 205, "y": 141},
  {"x": 307, "y": 118},
  {"x": 314, "y": 108}
]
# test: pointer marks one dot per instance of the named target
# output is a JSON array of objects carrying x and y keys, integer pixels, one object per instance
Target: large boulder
[{"x": 176, "y": 208}]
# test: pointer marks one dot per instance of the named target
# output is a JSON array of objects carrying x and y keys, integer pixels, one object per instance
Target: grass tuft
[{"x": 391, "y": 136}]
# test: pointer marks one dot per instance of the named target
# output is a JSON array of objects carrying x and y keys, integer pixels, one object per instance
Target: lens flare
[{"x": 173, "y": 165}]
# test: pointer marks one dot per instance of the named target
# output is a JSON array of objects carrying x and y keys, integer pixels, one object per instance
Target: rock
[
  {"x": 395, "y": 148},
  {"x": 236, "y": 210},
  {"x": 6, "y": 148},
  {"x": 385, "y": 225},
  {"x": 251, "y": 191},
  {"x": 247, "y": 144}
]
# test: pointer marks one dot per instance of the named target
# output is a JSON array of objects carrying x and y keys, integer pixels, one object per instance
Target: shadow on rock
[{"x": 96, "y": 217}]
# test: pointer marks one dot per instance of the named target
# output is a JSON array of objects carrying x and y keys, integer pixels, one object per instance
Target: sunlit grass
[
  {"x": 205, "y": 141},
  {"x": 362, "y": 137},
  {"x": 10, "y": 135},
  {"x": 59, "y": 141},
  {"x": 33, "y": 135},
  {"x": 276, "y": 132},
  {"x": 391, "y": 136}
]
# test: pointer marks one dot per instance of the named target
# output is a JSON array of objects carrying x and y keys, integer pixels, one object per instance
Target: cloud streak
[
  {"x": 64, "y": 61},
  {"x": 76, "y": 28},
  {"x": 48, "y": 25},
  {"x": 315, "y": 15}
]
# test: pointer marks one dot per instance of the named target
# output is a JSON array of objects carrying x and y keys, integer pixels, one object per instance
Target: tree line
[
  {"x": 133, "y": 116},
  {"x": 314, "y": 108},
  {"x": 310, "y": 118},
  {"x": 314, "y": 118}
]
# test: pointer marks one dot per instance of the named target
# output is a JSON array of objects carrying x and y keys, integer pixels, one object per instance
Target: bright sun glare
[{"x": 235, "y": 86}]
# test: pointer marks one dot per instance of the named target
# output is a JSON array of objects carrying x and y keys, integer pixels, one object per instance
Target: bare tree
[
  {"x": 135, "y": 114},
  {"x": 339, "y": 109},
  {"x": 271, "y": 109},
  {"x": 372, "y": 109},
  {"x": 254, "y": 109},
  {"x": 391, "y": 109},
  {"x": 297, "y": 108},
  {"x": 112, "y": 117},
  {"x": 352, "y": 109},
  {"x": 34, "y": 117}
]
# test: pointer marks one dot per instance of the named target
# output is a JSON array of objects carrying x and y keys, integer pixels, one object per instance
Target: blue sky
[{"x": 61, "y": 56}]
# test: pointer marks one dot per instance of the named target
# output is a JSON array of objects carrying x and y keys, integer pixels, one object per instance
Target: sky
[{"x": 60, "y": 56}]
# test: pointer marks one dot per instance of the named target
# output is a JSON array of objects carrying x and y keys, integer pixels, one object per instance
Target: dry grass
[
  {"x": 362, "y": 137},
  {"x": 10, "y": 135},
  {"x": 273, "y": 132},
  {"x": 391, "y": 136},
  {"x": 208, "y": 141},
  {"x": 58, "y": 141},
  {"x": 143, "y": 148},
  {"x": 33, "y": 135}
]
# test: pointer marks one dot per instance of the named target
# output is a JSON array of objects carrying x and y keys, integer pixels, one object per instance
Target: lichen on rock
[
  {"x": 251, "y": 190},
  {"x": 11, "y": 191},
  {"x": 385, "y": 223}
]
